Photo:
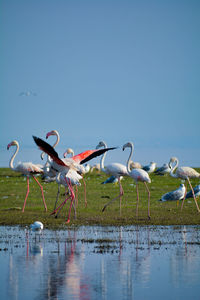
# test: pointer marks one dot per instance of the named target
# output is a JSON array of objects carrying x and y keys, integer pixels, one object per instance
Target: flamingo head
[
  {"x": 68, "y": 151},
  {"x": 13, "y": 143},
  {"x": 101, "y": 144},
  {"x": 129, "y": 144},
  {"x": 53, "y": 132}
]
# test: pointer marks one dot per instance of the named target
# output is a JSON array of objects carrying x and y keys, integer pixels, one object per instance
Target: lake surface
[{"x": 130, "y": 262}]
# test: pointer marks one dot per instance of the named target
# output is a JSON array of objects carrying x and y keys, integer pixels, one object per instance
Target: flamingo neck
[
  {"x": 11, "y": 165},
  {"x": 57, "y": 139},
  {"x": 129, "y": 160},
  {"x": 173, "y": 169},
  {"x": 102, "y": 159}
]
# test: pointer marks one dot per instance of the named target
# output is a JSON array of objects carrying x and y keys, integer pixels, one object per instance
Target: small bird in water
[{"x": 37, "y": 226}]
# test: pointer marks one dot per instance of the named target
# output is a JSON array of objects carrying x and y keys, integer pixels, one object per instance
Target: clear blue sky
[{"x": 113, "y": 70}]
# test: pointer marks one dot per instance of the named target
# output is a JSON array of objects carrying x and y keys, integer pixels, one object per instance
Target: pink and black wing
[
  {"x": 90, "y": 154},
  {"x": 48, "y": 149}
]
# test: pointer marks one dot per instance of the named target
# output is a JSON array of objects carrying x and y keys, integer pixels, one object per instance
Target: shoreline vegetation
[{"x": 13, "y": 192}]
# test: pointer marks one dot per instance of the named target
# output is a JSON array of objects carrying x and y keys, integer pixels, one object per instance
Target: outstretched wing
[
  {"x": 90, "y": 154},
  {"x": 44, "y": 146}
]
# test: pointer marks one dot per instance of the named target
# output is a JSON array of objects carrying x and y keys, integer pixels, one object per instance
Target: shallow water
[{"x": 132, "y": 262}]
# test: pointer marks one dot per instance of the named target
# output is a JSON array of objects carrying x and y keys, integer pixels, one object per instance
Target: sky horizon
[{"x": 116, "y": 71}]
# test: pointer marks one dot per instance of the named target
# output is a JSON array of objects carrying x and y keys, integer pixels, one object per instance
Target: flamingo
[
  {"x": 115, "y": 169},
  {"x": 52, "y": 173},
  {"x": 150, "y": 168},
  {"x": 26, "y": 168},
  {"x": 174, "y": 195},
  {"x": 63, "y": 166},
  {"x": 138, "y": 175},
  {"x": 184, "y": 173},
  {"x": 82, "y": 170}
]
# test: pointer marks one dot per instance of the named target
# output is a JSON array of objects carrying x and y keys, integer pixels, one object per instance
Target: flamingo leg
[
  {"x": 137, "y": 190},
  {"x": 57, "y": 197},
  {"x": 41, "y": 191},
  {"x": 76, "y": 195},
  {"x": 85, "y": 192},
  {"x": 193, "y": 195},
  {"x": 72, "y": 198},
  {"x": 148, "y": 199},
  {"x": 184, "y": 197},
  {"x": 119, "y": 196},
  {"x": 26, "y": 194},
  {"x": 60, "y": 206}
]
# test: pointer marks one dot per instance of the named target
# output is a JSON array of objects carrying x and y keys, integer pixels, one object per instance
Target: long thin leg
[
  {"x": 148, "y": 199},
  {"x": 184, "y": 197},
  {"x": 60, "y": 206},
  {"x": 26, "y": 194},
  {"x": 57, "y": 197},
  {"x": 85, "y": 192},
  {"x": 72, "y": 197},
  {"x": 137, "y": 190},
  {"x": 193, "y": 195},
  {"x": 42, "y": 192},
  {"x": 119, "y": 196}
]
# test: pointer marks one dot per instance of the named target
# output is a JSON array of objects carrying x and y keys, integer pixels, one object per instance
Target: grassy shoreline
[{"x": 13, "y": 191}]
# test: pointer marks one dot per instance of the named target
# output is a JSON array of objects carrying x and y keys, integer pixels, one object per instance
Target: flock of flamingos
[{"x": 69, "y": 171}]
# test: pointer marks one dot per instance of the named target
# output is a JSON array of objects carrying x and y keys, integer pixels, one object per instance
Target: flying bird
[
  {"x": 64, "y": 165},
  {"x": 174, "y": 195},
  {"x": 138, "y": 175},
  {"x": 115, "y": 169},
  {"x": 26, "y": 168},
  {"x": 184, "y": 173}
]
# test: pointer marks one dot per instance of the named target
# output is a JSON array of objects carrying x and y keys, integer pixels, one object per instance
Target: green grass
[{"x": 13, "y": 191}]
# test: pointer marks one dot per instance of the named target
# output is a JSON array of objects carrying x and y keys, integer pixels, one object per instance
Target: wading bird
[
  {"x": 28, "y": 169},
  {"x": 138, "y": 175},
  {"x": 37, "y": 226},
  {"x": 115, "y": 169},
  {"x": 174, "y": 195},
  {"x": 64, "y": 165},
  {"x": 184, "y": 173}
]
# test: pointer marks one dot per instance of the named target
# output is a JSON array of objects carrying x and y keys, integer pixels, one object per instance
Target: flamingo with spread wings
[
  {"x": 28, "y": 169},
  {"x": 63, "y": 166}
]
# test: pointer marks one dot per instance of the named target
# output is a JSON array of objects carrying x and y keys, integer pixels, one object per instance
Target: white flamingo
[
  {"x": 138, "y": 175},
  {"x": 115, "y": 169},
  {"x": 64, "y": 165},
  {"x": 184, "y": 173},
  {"x": 26, "y": 168}
]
